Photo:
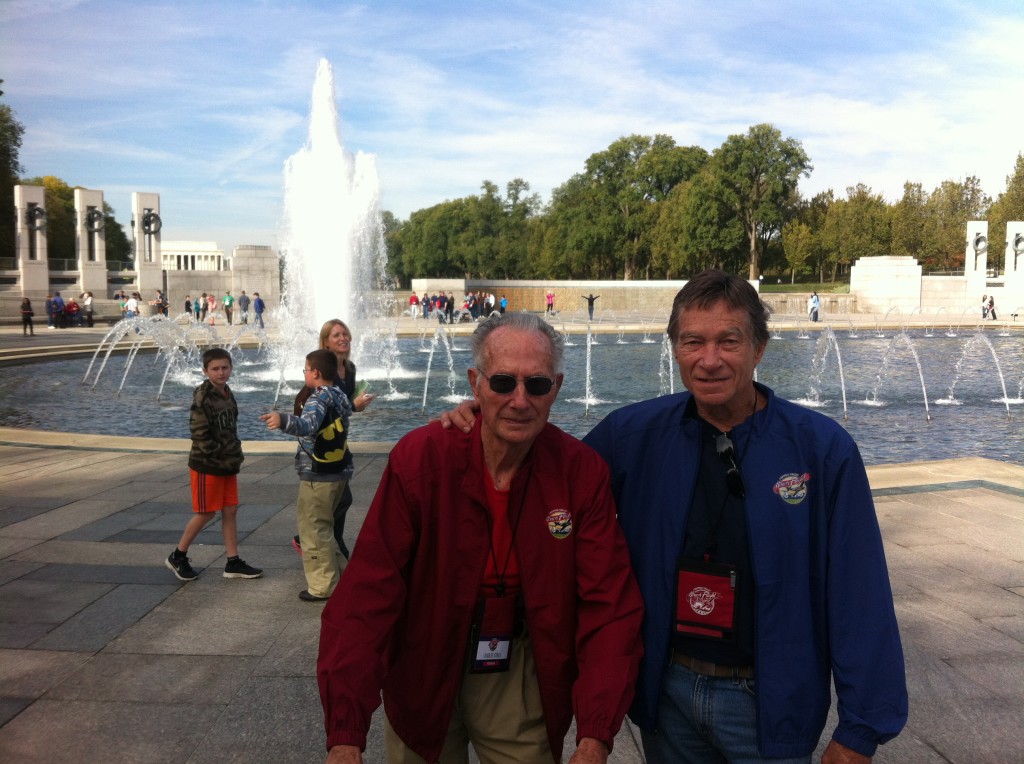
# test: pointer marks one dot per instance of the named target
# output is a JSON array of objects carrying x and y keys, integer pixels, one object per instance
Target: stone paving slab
[
  {"x": 101, "y": 731},
  {"x": 147, "y": 668}
]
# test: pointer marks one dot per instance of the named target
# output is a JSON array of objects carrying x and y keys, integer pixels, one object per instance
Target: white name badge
[{"x": 493, "y": 635}]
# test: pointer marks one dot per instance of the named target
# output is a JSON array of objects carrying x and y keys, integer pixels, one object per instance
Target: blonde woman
[{"x": 337, "y": 337}]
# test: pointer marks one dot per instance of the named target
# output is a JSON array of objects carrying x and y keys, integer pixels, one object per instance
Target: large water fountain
[
  {"x": 332, "y": 238},
  {"x": 332, "y": 242}
]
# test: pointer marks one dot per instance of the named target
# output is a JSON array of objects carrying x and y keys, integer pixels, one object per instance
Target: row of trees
[
  {"x": 11, "y": 132},
  {"x": 646, "y": 208}
]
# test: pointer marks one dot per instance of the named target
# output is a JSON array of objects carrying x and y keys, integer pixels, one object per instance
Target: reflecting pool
[{"x": 903, "y": 398}]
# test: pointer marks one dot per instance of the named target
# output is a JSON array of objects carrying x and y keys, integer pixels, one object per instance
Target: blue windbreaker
[{"x": 823, "y": 601}]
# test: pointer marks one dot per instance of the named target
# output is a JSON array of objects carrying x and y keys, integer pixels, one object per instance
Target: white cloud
[{"x": 204, "y": 102}]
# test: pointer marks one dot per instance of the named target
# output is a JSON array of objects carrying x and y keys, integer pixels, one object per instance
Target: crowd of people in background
[
  {"x": 72, "y": 312},
  {"x": 475, "y": 305},
  {"x": 61, "y": 313}
]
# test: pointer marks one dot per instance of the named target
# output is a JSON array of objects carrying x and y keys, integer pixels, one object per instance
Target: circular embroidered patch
[
  {"x": 792, "y": 487},
  {"x": 559, "y": 523},
  {"x": 702, "y": 600}
]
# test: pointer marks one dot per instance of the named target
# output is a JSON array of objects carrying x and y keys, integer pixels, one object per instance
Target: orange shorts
[{"x": 211, "y": 493}]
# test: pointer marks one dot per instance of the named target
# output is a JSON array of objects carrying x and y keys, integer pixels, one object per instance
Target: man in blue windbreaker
[{"x": 753, "y": 535}]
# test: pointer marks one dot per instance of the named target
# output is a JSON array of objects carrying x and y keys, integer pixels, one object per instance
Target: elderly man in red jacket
[{"x": 490, "y": 594}]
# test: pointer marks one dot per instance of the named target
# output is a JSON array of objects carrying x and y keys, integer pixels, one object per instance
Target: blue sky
[{"x": 202, "y": 102}]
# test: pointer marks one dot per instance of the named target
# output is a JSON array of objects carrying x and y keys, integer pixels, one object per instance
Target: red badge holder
[
  {"x": 491, "y": 635},
  {"x": 705, "y": 600}
]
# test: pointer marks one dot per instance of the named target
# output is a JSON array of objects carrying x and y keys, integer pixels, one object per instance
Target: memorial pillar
[
  {"x": 975, "y": 263},
  {"x": 146, "y": 227},
  {"x": 30, "y": 240},
  {"x": 91, "y": 241},
  {"x": 1013, "y": 278}
]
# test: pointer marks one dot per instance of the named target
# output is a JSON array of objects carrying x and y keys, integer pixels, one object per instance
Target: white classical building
[{"x": 192, "y": 256}]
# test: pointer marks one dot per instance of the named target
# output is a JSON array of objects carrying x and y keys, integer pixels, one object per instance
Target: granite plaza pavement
[{"x": 106, "y": 657}]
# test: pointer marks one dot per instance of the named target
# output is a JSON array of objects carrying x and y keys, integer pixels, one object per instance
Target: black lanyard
[{"x": 499, "y": 588}]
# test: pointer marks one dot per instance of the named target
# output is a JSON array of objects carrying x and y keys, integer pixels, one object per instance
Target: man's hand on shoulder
[
  {"x": 590, "y": 751},
  {"x": 462, "y": 416},
  {"x": 345, "y": 754},
  {"x": 837, "y": 753}
]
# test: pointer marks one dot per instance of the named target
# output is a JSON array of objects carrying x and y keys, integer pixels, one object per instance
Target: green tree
[
  {"x": 631, "y": 177},
  {"x": 856, "y": 227},
  {"x": 814, "y": 214},
  {"x": 582, "y": 236},
  {"x": 520, "y": 207},
  {"x": 698, "y": 231},
  {"x": 427, "y": 240},
  {"x": 950, "y": 208},
  {"x": 393, "y": 244},
  {"x": 11, "y": 132},
  {"x": 911, "y": 226},
  {"x": 798, "y": 241},
  {"x": 118, "y": 246},
  {"x": 756, "y": 176},
  {"x": 60, "y": 216},
  {"x": 1008, "y": 206}
]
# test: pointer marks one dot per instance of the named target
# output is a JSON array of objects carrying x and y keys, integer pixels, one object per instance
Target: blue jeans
[{"x": 706, "y": 720}]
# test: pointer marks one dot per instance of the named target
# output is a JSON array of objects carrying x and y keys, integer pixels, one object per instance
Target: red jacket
[{"x": 399, "y": 619}]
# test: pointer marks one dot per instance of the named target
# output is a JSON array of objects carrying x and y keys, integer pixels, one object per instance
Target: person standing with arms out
[
  {"x": 214, "y": 462},
  {"x": 550, "y": 298},
  {"x": 26, "y": 318},
  {"x": 258, "y": 306},
  {"x": 591, "y": 299},
  {"x": 336, "y": 337},
  {"x": 324, "y": 464},
  {"x": 243, "y": 306},
  {"x": 490, "y": 595}
]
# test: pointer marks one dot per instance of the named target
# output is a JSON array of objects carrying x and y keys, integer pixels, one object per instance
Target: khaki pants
[
  {"x": 500, "y": 714},
  {"x": 321, "y": 561}
]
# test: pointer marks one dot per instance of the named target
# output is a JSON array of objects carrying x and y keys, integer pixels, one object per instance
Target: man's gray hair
[{"x": 521, "y": 321}]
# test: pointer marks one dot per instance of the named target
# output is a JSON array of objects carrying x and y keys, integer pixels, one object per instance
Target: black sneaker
[
  {"x": 238, "y": 568},
  {"x": 181, "y": 568}
]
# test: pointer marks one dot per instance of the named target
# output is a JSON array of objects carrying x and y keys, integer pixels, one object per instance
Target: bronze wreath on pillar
[
  {"x": 35, "y": 218},
  {"x": 94, "y": 221},
  {"x": 151, "y": 222}
]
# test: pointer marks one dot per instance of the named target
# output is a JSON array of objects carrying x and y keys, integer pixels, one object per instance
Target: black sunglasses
[
  {"x": 503, "y": 384},
  {"x": 732, "y": 475}
]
